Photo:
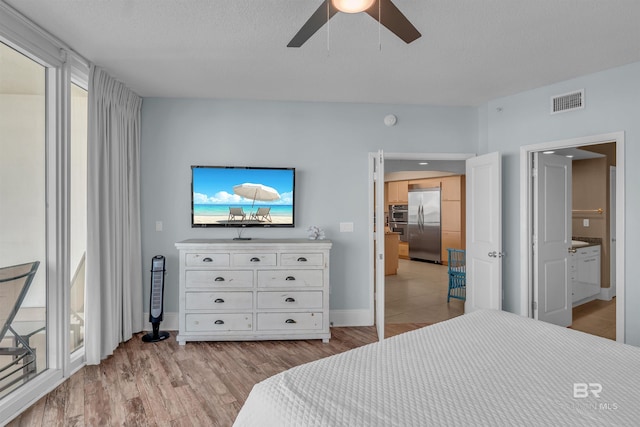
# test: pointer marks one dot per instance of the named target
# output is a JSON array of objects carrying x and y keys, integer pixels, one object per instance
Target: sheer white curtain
[{"x": 114, "y": 271}]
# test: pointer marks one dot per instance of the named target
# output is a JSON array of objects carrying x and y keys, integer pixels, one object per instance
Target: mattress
[{"x": 488, "y": 368}]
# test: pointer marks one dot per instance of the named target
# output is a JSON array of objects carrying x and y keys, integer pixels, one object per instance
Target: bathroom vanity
[{"x": 585, "y": 272}]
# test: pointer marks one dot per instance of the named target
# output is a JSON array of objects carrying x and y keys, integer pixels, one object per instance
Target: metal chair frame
[
  {"x": 457, "y": 274},
  {"x": 23, "y": 355}
]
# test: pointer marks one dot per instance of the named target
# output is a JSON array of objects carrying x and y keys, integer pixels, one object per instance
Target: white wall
[
  {"x": 612, "y": 104},
  {"x": 327, "y": 143}
]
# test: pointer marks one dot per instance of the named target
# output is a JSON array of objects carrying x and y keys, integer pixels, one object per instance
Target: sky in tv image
[{"x": 215, "y": 186}]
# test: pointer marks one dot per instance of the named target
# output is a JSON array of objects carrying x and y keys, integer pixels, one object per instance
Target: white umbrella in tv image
[
  {"x": 256, "y": 192},
  {"x": 261, "y": 193},
  {"x": 242, "y": 197}
]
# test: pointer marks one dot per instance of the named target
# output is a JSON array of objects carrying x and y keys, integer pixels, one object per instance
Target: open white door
[
  {"x": 379, "y": 241},
  {"x": 552, "y": 239},
  {"x": 612, "y": 229},
  {"x": 484, "y": 232}
]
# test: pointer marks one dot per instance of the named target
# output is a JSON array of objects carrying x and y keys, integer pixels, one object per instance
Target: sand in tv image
[{"x": 229, "y": 196}]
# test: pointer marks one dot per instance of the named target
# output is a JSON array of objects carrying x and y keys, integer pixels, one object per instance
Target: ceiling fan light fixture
[{"x": 352, "y": 6}]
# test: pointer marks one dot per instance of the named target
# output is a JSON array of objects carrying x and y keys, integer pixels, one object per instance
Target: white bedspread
[{"x": 487, "y": 368}]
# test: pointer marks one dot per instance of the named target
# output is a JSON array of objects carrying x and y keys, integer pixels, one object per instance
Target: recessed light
[
  {"x": 423, "y": 163},
  {"x": 570, "y": 156},
  {"x": 548, "y": 152}
]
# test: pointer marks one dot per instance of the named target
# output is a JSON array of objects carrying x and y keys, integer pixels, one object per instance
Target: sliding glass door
[{"x": 23, "y": 219}]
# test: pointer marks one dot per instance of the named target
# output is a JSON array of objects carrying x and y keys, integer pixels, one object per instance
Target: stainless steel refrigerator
[{"x": 424, "y": 224}]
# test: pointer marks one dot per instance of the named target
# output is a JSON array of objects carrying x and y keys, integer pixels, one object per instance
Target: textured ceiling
[{"x": 470, "y": 51}]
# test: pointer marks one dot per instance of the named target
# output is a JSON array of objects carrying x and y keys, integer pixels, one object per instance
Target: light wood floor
[
  {"x": 206, "y": 383},
  {"x": 164, "y": 384},
  {"x": 597, "y": 318}
]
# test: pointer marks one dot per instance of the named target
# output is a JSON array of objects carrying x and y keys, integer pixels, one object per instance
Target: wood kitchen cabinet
[
  {"x": 451, "y": 217},
  {"x": 397, "y": 192},
  {"x": 403, "y": 250},
  {"x": 452, "y": 214},
  {"x": 391, "y": 247},
  {"x": 425, "y": 182},
  {"x": 452, "y": 187}
]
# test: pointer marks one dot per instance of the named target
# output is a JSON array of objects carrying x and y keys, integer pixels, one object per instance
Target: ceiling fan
[{"x": 383, "y": 11}]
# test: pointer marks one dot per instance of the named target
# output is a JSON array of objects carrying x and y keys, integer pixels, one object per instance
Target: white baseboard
[
  {"x": 351, "y": 317},
  {"x": 336, "y": 317},
  {"x": 607, "y": 294},
  {"x": 169, "y": 322}
]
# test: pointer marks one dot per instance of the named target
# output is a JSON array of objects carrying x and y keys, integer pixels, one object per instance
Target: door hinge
[
  {"x": 534, "y": 305},
  {"x": 534, "y": 172}
]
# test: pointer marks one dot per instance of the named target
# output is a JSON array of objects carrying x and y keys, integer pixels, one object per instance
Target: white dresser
[{"x": 262, "y": 289}]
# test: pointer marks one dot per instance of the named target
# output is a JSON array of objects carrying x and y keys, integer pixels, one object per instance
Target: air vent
[{"x": 567, "y": 102}]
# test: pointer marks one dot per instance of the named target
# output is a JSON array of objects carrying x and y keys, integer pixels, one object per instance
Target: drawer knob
[
  {"x": 219, "y": 322},
  {"x": 218, "y": 301},
  {"x": 289, "y": 321},
  {"x": 255, "y": 259},
  {"x": 207, "y": 259},
  {"x": 290, "y": 299},
  {"x": 302, "y": 259},
  {"x": 219, "y": 279},
  {"x": 290, "y": 278}
]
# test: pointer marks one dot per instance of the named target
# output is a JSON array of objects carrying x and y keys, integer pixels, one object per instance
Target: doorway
[
  {"x": 584, "y": 220},
  {"x": 411, "y": 273}
]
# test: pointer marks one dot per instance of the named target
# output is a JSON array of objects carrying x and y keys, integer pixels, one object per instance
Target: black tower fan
[{"x": 155, "y": 303}]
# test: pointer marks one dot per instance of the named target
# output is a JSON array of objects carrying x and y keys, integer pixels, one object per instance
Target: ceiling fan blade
[
  {"x": 394, "y": 20},
  {"x": 317, "y": 20}
]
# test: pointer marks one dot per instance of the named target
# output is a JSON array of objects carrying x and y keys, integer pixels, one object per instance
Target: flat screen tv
[{"x": 231, "y": 196}]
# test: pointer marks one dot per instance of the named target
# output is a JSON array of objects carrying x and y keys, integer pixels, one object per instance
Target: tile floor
[{"x": 417, "y": 295}]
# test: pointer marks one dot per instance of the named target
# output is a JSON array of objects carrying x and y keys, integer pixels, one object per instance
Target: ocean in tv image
[{"x": 228, "y": 196}]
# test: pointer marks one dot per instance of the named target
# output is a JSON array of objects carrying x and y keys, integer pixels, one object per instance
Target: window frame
[{"x": 79, "y": 76}]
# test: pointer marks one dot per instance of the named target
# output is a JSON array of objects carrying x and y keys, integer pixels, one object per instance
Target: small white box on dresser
[{"x": 263, "y": 289}]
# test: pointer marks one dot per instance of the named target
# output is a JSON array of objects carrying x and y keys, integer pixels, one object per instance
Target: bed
[{"x": 484, "y": 368}]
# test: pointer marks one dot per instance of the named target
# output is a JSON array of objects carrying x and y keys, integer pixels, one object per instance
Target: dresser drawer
[
  {"x": 218, "y": 322},
  {"x": 254, "y": 260},
  {"x": 312, "y": 259},
  {"x": 293, "y": 300},
  {"x": 207, "y": 260},
  {"x": 290, "y": 278},
  {"x": 218, "y": 279},
  {"x": 289, "y": 321},
  {"x": 218, "y": 300}
]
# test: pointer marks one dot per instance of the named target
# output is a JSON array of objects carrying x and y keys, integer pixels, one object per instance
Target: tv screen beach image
[{"x": 242, "y": 196}]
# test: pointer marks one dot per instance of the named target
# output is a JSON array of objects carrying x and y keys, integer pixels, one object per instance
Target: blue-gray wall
[{"x": 327, "y": 143}]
